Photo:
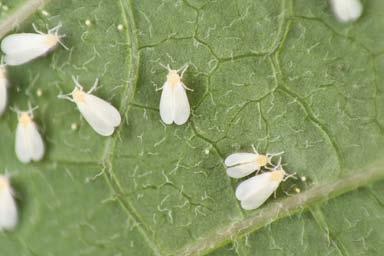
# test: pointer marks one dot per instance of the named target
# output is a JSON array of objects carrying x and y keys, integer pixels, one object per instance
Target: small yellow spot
[
  {"x": 5, "y": 7},
  {"x": 278, "y": 175},
  {"x": 303, "y": 178},
  {"x": 120, "y": 27},
  {"x": 51, "y": 40},
  {"x": 173, "y": 78},
  {"x": 39, "y": 92},
  {"x": 206, "y": 151},
  {"x": 78, "y": 95},
  {"x": 25, "y": 119},
  {"x": 297, "y": 190},
  {"x": 88, "y": 23},
  {"x": 262, "y": 160},
  {"x": 73, "y": 126}
]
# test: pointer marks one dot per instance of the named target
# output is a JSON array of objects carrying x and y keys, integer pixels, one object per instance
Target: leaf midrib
[{"x": 127, "y": 94}]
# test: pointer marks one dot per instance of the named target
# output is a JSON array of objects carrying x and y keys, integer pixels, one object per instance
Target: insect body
[
  {"x": 29, "y": 144},
  {"x": 24, "y": 47},
  {"x": 174, "y": 104},
  {"x": 100, "y": 114},
  {"x": 242, "y": 164},
  {"x": 8, "y": 209},
  {"x": 347, "y": 10}
]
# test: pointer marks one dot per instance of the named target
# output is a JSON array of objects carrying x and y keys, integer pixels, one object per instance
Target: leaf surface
[{"x": 282, "y": 75}]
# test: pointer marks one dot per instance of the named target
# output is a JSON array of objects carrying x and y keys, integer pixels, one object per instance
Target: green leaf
[{"x": 282, "y": 75}]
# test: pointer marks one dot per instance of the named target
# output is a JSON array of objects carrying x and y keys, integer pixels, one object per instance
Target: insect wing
[
  {"x": 8, "y": 209},
  {"x": 21, "y": 48},
  {"x": 254, "y": 191},
  {"x": 167, "y": 104},
  {"x": 182, "y": 109},
  {"x": 100, "y": 114},
  {"x": 241, "y": 164}
]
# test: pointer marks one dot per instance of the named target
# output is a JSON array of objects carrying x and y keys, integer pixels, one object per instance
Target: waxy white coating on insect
[
  {"x": 174, "y": 104},
  {"x": 347, "y": 10},
  {"x": 3, "y": 88},
  {"x": 242, "y": 164},
  {"x": 8, "y": 208},
  {"x": 100, "y": 114},
  {"x": 254, "y": 191},
  {"x": 29, "y": 144},
  {"x": 24, "y": 47}
]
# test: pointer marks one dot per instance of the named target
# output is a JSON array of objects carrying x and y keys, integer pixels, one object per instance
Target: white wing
[
  {"x": 167, "y": 104},
  {"x": 23, "y": 146},
  {"x": 20, "y": 58},
  {"x": 240, "y": 171},
  {"x": 3, "y": 94},
  {"x": 182, "y": 108},
  {"x": 37, "y": 143},
  {"x": 100, "y": 114},
  {"x": 16, "y": 43},
  {"x": 21, "y": 48},
  {"x": 240, "y": 158},
  {"x": 347, "y": 10},
  {"x": 241, "y": 164},
  {"x": 254, "y": 191},
  {"x": 8, "y": 210},
  {"x": 29, "y": 144}
]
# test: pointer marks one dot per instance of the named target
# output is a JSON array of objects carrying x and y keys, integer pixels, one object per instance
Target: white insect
[
  {"x": 242, "y": 164},
  {"x": 100, "y": 114},
  {"x": 254, "y": 191},
  {"x": 174, "y": 104},
  {"x": 3, "y": 88},
  {"x": 29, "y": 144},
  {"x": 8, "y": 208},
  {"x": 24, "y": 47},
  {"x": 347, "y": 10}
]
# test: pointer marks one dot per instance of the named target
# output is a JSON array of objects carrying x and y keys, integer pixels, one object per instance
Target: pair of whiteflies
[
  {"x": 29, "y": 145},
  {"x": 254, "y": 191},
  {"x": 100, "y": 114}
]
